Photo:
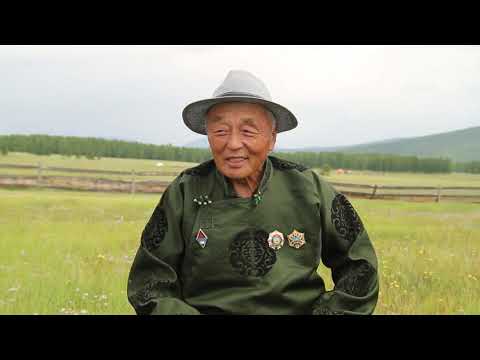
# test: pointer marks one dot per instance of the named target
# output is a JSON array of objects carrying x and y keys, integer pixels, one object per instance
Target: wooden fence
[
  {"x": 413, "y": 193},
  {"x": 42, "y": 180},
  {"x": 42, "y": 169},
  {"x": 134, "y": 184}
]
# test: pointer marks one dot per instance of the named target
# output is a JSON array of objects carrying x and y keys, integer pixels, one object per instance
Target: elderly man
[{"x": 244, "y": 233}]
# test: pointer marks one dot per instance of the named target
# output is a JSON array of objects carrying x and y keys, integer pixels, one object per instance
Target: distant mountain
[
  {"x": 458, "y": 145},
  {"x": 342, "y": 148}
]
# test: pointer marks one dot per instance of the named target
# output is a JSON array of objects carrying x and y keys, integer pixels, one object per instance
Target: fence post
[
  {"x": 374, "y": 191},
  {"x": 39, "y": 173},
  {"x": 132, "y": 187},
  {"x": 439, "y": 190}
]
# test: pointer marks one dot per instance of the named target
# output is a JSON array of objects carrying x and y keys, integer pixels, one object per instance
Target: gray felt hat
[{"x": 238, "y": 86}]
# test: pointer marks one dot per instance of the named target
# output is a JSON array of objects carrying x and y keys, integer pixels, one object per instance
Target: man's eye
[
  {"x": 249, "y": 133},
  {"x": 220, "y": 132}
]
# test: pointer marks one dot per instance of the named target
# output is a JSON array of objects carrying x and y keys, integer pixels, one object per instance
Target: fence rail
[
  {"x": 414, "y": 193},
  {"x": 134, "y": 184},
  {"x": 83, "y": 183},
  {"x": 89, "y": 171},
  {"x": 367, "y": 186}
]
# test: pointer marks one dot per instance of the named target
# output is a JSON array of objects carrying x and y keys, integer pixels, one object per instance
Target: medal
[
  {"x": 296, "y": 239},
  {"x": 275, "y": 240},
  {"x": 201, "y": 238}
]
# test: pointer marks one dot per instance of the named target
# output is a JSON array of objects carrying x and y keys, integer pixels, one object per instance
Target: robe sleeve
[
  {"x": 154, "y": 285},
  {"x": 349, "y": 253}
]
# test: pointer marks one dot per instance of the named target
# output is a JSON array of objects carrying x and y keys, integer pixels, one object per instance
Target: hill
[{"x": 459, "y": 145}]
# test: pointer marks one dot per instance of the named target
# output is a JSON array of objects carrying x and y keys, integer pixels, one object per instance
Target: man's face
[{"x": 240, "y": 137}]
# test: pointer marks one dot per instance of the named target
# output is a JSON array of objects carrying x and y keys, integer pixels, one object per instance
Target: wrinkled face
[{"x": 240, "y": 135}]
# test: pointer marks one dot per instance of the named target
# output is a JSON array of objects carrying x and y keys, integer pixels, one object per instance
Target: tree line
[{"x": 96, "y": 148}]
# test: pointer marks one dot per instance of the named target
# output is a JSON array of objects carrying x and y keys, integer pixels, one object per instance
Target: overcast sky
[{"x": 341, "y": 95}]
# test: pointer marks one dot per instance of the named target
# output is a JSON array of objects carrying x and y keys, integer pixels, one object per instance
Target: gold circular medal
[{"x": 296, "y": 239}]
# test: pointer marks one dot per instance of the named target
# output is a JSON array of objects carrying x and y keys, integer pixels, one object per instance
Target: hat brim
[{"x": 194, "y": 114}]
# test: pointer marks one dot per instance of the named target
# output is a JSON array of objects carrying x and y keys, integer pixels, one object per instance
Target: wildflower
[{"x": 427, "y": 274}]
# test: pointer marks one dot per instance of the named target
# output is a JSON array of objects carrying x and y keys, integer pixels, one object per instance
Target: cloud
[{"x": 340, "y": 94}]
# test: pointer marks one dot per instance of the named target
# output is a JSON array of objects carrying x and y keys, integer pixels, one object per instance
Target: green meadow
[
  {"x": 406, "y": 179},
  {"x": 117, "y": 164},
  {"x": 104, "y": 163},
  {"x": 110, "y": 164},
  {"x": 68, "y": 252}
]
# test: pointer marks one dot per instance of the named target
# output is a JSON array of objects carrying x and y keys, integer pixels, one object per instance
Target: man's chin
[{"x": 236, "y": 174}]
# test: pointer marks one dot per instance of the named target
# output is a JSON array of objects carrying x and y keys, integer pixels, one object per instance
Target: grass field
[
  {"x": 84, "y": 163},
  {"x": 410, "y": 180},
  {"x": 406, "y": 179},
  {"x": 357, "y": 177},
  {"x": 66, "y": 252},
  {"x": 113, "y": 164},
  {"x": 70, "y": 252}
]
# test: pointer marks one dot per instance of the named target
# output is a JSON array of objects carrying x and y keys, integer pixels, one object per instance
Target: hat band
[{"x": 233, "y": 94}]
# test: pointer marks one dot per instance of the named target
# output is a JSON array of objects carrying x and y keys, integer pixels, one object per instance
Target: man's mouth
[{"x": 236, "y": 161}]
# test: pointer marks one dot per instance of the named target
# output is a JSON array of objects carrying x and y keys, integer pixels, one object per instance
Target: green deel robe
[{"x": 237, "y": 272}]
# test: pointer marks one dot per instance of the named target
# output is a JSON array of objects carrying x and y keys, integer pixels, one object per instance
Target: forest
[{"x": 97, "y": 147}]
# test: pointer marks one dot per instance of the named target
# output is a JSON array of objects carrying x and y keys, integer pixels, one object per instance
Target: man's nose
[{"x": 234, "y": 141}]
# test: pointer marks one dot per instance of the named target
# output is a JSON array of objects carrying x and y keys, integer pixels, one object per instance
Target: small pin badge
[
  {"x": 257, "y": 198},
  {"x": 202, "y": 200},
  {"x": 296, "y": 239},
  {"x": 275, "y": 240},
  {"x": 201, "y": 238}
]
